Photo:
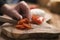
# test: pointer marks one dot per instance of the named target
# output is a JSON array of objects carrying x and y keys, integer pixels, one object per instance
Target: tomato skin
[
  {"x": 20, "y": 26},
  {"x": 28, "y": 26},
  {"x": 37, "y": 19},
  {"x": 23, "y": 24},
  {"x": 23, "y": 21}
]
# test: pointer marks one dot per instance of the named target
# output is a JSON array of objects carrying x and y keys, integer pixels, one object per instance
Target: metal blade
[{"x": 6, "y": 20}]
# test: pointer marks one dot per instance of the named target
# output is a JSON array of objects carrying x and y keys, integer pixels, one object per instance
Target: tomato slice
[
  {"x": 23, "y": 21},
  {"x": 37, "y": 19},
  {"x": 27, "y": 26},
  {"x": 20, "y": 26}
]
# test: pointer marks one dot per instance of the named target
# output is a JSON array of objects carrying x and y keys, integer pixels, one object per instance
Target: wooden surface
[
  {"x": 43, "y": 32},
  {"x": 37, "y": 29},
  {"x": 55, "y": 20}
]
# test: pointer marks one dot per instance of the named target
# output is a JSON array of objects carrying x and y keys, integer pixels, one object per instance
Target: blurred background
[{"x": 53, "y": 5}]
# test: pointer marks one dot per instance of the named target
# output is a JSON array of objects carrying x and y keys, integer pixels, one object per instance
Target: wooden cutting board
[{"x": 12, "y": 32}]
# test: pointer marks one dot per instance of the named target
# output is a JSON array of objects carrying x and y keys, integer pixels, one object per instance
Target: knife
[{"x": 6, "y": 20}]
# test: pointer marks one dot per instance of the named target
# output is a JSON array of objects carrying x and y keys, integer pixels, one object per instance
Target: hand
[
  {"x": 23, "y": 8},
  {"x": 14, "y": 12},
  {"x": 10, "y": 12}
]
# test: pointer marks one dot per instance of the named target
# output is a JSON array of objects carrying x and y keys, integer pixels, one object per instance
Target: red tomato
[
  {"x": 23, "y": 21},
  {"x": 20, "y": 26},
  {"x": 27, "y": 26},
  {"x": 37, "y": 19}
]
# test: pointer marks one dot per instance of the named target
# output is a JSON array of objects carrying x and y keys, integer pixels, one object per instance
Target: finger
[{"x": 25, "y": 9}]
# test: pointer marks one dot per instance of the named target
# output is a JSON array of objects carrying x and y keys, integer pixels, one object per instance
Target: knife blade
[{"x": 6, "y": 20}]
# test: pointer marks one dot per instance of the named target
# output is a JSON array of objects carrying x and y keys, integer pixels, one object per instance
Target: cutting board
[{"x": 42, "y": 29}]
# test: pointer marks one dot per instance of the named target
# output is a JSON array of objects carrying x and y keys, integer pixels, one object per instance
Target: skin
[
  {"x": 6, "y": 9},
  {"x": 14, "y": 12},
  {"x": 23, "y": 6}
]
